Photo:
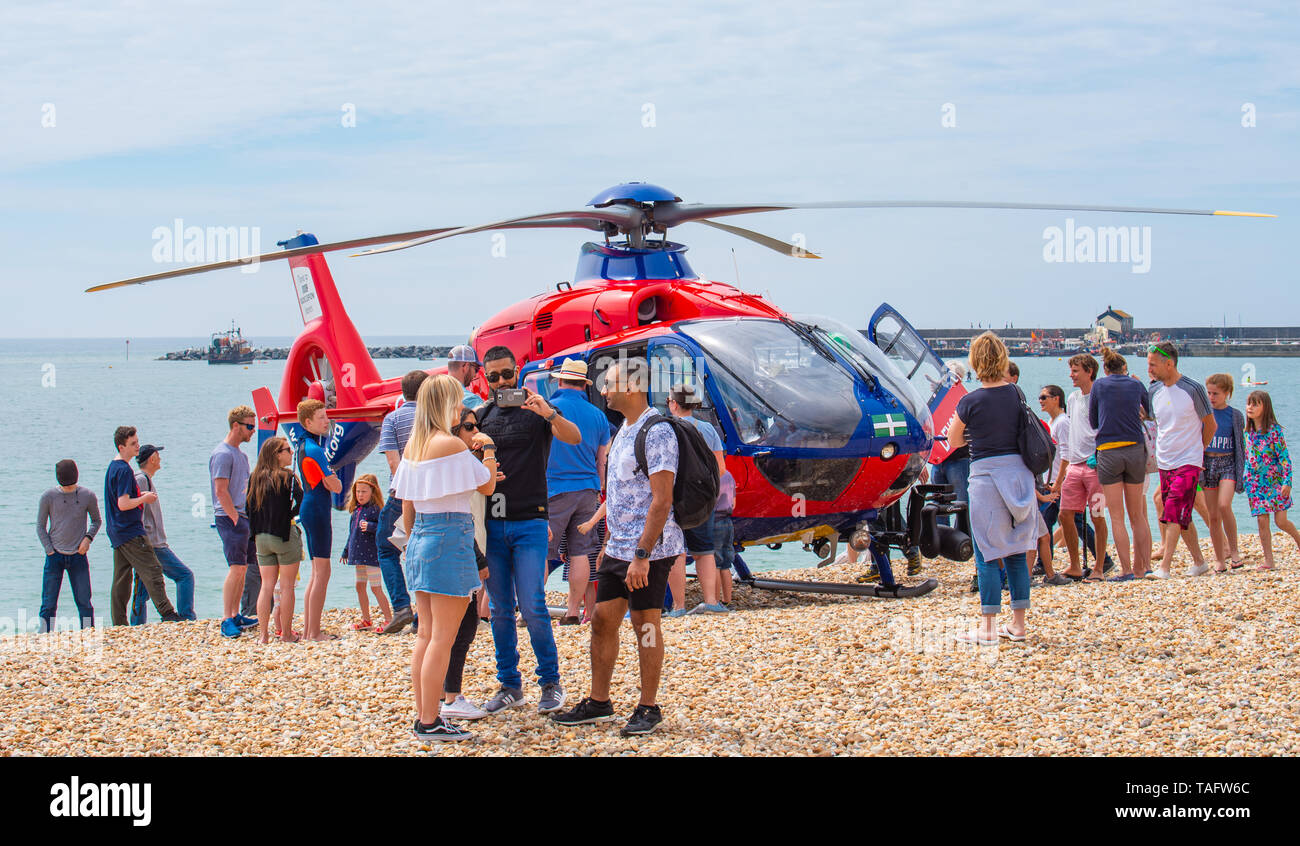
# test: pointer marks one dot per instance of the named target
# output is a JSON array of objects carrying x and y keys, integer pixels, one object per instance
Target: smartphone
[{"x": 511, "y": 397}]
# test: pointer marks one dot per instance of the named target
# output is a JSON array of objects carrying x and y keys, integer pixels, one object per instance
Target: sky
[{"x": 120, "y": 118}]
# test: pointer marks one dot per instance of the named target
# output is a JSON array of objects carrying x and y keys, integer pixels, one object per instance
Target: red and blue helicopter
[{"x": 825, "y": 427}]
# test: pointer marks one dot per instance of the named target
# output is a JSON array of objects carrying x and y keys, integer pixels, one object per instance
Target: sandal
[
  {"x": 379, "y": 627},
  {"x": 1005, "y": 632},
  {"x": 1236, "y": 564},
  {"x": 362, "y": 626},
  {"x": 1093, "y": 577}
]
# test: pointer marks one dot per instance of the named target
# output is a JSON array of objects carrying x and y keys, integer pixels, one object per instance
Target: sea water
[{"x": 67, "y": 397}]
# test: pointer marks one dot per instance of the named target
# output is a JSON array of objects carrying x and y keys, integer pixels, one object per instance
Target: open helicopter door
[{"x": 915, "y": 358}]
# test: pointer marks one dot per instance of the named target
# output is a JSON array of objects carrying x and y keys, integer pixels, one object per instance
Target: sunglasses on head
[{"x": 499, "y": 375}]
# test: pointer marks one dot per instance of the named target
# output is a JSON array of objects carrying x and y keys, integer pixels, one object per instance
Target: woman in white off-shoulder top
[{"x": 436, "y": 480}]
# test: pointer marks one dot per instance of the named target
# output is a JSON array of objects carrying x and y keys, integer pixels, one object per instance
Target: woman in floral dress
[{"x": 1268, "y": 472}]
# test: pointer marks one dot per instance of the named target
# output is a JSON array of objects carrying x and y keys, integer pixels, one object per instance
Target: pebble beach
[{"x": 1189, "y": 666}]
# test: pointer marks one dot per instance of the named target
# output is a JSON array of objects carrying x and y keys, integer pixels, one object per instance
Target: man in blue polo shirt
[{"x": 575, "y": 476}]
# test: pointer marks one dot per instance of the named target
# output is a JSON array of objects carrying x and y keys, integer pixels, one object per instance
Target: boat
[{"x": 229, "y": 347}]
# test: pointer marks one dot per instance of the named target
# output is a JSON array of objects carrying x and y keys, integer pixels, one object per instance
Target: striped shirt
[{"x": 396, "y": 429}]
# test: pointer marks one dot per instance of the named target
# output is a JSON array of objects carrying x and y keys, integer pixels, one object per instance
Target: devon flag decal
[{"x": 888, "y": 425}]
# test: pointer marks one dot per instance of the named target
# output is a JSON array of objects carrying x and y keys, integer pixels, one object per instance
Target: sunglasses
[
  {"x": 467, "y": 427},
  {"x": 252, "y": 427},
  {"x": 499, "y": 375},
  {"x": 1044, "y": 397},
  {"x": 286, "y": 449}
]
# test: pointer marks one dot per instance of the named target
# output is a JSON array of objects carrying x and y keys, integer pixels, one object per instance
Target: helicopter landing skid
[{"x": 882, "y": 591}]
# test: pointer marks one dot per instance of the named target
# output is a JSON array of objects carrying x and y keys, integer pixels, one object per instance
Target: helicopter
[{"x": 825, "y": 428}]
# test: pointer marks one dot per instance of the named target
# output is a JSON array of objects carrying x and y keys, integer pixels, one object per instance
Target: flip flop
[
  {"x": 1127, "y": 577},
  {"x": 1005, "y": 632},
  {"x": 1236, "y": 565},
  {"x": 1092, "y": 578},
  {"x": 1074, "y": 578}
]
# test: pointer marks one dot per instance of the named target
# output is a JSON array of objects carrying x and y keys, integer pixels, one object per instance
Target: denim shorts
[{"x": 440, "y": 555}]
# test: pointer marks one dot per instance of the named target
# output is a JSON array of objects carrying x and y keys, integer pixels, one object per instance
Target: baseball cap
[
  {"x": 146, "y": 452},
  {"x": 465, "y": 353}
]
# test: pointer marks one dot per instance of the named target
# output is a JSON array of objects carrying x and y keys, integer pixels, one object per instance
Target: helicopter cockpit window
[
  {"x": 778, "y": 388},
  {"x": 886, "y": 368},
  {"x": 672, "y": 365}
]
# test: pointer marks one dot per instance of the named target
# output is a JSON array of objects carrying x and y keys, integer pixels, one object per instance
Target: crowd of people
[
  {"x": 1110, "y": 434},
  {"x": 485, "y": 496},
  {"x": 483, "y": 499}
]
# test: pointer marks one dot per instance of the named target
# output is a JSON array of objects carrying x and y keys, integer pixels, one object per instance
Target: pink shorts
[
  {"x": 1178, "y": 494},
  {"x": 1080, "y": 488}
]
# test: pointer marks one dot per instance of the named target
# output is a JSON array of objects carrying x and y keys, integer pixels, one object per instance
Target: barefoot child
[
  {"x": 1225, "y": 461},
  {"x": 1268, "y": 472},
  {"x": 365, "y": 502}
]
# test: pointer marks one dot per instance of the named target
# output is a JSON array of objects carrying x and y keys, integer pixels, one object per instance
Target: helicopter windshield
[
  {"x": 780, "y": 389},
  {"x": 855, "y": 345}
]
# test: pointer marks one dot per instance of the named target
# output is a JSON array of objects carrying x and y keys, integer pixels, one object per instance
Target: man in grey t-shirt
[
  {"x": 61, "y": 528},
  {"x": 228, "y": 467},
  {"x": 150, "y": 460}
]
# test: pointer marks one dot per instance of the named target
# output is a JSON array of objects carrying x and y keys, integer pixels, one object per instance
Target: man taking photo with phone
[{"x": 521, "y": 425}]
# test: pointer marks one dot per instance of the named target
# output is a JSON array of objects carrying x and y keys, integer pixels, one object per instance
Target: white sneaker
[
  {"x": 1198, "y": 569},
  {"x": 1157, "y": 573},
  {"x": 462, "y": 709}
]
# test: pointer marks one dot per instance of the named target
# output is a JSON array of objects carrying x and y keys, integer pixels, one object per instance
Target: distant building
[{"x": 1116, "y": 322}]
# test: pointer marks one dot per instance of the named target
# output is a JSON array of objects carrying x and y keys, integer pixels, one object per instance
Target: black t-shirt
[
  {"x": 992, "y": 418},
  {"x": 523, "y": 442}
]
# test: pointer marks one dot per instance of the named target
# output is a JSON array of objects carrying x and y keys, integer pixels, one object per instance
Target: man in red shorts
[
  {"x": 1077, "y": 483},
  {"x": 1184, "y": 428}
]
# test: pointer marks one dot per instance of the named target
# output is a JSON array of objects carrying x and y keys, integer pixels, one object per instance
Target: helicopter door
[
  {"x": 671, "y": 364},
  {"x": 912, "y": 355}
]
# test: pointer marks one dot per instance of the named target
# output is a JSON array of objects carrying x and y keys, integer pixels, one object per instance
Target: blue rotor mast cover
[{"x": 635, "y": 192}]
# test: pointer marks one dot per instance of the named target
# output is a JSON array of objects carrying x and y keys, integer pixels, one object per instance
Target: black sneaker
[
  {"x": 587, "y": 712},
  {"x": 1108, "y": 565},
  {"x": 440, "y": 730},
  {"x": 645, "y": 719},
  {"x": 173, "y": 617}
]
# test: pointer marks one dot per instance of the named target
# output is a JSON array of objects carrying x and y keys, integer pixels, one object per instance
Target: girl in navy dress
[{"x": 365, "y": 502}]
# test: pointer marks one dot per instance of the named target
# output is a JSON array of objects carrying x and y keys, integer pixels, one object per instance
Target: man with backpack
[{"x": 642, "y": 540}]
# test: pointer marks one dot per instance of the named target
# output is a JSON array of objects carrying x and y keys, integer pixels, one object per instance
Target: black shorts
[{"x": 610, "y": 583}]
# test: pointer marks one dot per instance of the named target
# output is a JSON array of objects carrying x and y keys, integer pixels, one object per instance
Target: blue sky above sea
[{"x": 472, "y": 114}]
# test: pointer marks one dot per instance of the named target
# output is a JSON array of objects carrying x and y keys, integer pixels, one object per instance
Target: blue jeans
[
  {"x": 955, "y": 472},
  {"x": 78, "y": 570},
  {"x": 174, "y": 569},
  {"x": 516, "y": 554},
  {"x": 390, "y": 557},
  {"x": 1015, "y": 568}
]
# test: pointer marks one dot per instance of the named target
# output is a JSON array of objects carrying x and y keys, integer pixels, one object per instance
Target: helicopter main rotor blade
[
  {"x": 672, "y": 214},
  {"x": 621, "y": 217},
  {"x": 765, "y": 240},
  {"x": 279, "y": 254}
]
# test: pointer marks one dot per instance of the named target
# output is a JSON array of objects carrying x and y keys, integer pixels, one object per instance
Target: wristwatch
[
  {"x": 641, "y": 553},
  {"x": 555, "y": 412}
]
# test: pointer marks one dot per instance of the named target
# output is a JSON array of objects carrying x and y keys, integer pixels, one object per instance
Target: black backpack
[
  {"x": 1036, "y": 447},
  {"x": 695, "y": 487}
]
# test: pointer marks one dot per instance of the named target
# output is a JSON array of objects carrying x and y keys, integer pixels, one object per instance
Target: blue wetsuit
[{"x": 315, "y": 512}]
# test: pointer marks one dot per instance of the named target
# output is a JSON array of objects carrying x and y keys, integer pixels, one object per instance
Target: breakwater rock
[{"x": 280, "y": 353}]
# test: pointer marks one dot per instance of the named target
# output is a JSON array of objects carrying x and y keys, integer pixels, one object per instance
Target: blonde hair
[
  {"x": 437, "y": 409},
  {"x": 988, "y": 358},
  {"x": 238, "y": 413},
  {"x": 307, "y": 409},
  {"x": 376, "y": 498},
  {"x": 1222, "y": 381}
]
